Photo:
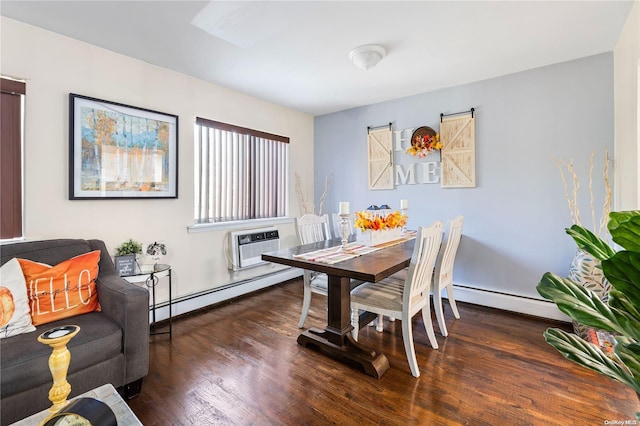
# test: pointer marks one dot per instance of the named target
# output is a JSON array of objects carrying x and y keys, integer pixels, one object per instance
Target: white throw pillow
[{"x": 15, "y": 317}]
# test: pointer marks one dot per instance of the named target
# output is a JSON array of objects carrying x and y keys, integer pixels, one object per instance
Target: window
[
  {"x": 240, "y": 174},
  {"x": 12, "y": 94}
]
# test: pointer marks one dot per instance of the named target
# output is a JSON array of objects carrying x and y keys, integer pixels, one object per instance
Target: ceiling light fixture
[{"x": 367, "y": 56}]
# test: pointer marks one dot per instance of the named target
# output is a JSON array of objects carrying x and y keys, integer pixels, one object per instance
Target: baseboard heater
[
  {"x": 247, "y": 246},
  {"x": 508, "y": 302},
  {"x": 207, "y": 298}
]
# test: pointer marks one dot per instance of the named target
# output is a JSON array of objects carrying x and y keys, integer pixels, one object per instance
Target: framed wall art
[
  {"x": 120, "y": 151},
  {"x": 380, "y": 158},
  {"x": 458, "y": 154}
]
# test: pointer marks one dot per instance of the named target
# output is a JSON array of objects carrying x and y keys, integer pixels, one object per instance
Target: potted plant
[
  {"x": 125, "y": 258},
  {"x": 129, "y": 247},
  {"x": 620, "y": 314}
]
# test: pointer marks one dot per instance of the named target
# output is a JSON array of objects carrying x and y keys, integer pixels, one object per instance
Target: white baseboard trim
[
  {"x": 509, "y": 302},
  {"x": 194, "y": 302}
]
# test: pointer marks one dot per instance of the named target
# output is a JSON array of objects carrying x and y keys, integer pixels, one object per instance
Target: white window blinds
[{"x": 240, "y": 174}]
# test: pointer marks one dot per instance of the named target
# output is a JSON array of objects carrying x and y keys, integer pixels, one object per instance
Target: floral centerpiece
[
  {"x": 377, "y": 229},
  {"x": 365, "y": 221},
  {"x": 424, "y": 141}
]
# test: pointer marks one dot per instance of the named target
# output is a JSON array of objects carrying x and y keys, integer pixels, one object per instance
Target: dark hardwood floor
[{"x": 239, "y": 364}]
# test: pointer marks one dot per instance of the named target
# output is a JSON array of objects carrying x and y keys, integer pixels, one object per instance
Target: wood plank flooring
[{"x": 238, "y": 364}]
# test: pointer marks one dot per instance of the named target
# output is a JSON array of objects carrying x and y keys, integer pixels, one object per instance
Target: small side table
[{"x": 149, "y": 275}]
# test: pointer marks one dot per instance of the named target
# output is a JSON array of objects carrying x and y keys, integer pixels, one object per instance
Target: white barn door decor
[
  {"x": 458, "y": 137},
  {"x": 380, "y": 151}
]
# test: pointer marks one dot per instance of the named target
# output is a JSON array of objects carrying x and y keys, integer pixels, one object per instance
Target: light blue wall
[{"x": 515, "y": 217}]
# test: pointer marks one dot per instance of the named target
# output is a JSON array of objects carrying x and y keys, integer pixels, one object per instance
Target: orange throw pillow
[{"x": 64, "y": 290}]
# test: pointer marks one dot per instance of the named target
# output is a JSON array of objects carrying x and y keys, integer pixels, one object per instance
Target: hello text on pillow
[{"x": 64, "y": 290}]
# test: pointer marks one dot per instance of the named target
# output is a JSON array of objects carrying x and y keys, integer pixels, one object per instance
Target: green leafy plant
[
  {"x": 620, "y": 314},
  {"x": 129, "y": 247}
]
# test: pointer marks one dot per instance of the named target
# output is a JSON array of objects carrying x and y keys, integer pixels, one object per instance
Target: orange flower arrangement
[
  {"x": 364, "y": 221},
  {"x": 424, "y": 144}
]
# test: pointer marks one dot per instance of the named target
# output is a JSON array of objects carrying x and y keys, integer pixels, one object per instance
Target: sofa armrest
[{"x": 128, "y": 305}]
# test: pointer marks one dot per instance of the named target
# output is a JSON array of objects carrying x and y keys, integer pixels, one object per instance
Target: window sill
[
  {"x": 13, "y": 240},
  {"x": 208, "y": 227}
]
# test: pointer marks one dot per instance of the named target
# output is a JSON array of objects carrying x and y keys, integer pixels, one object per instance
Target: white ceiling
[{"x": 296, "y": 53}]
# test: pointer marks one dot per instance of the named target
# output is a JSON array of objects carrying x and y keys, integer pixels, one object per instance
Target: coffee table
[{"x": 105, "y": 393}]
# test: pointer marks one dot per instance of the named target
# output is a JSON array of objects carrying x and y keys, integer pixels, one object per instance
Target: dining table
[{"x": 335, "y": 340}]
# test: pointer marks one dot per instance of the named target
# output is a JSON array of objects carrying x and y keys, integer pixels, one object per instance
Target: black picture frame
[{"x": 118, "y": 151}]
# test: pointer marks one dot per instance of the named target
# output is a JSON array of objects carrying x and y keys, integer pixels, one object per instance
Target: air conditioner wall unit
[{"x": 247, "y": 246}]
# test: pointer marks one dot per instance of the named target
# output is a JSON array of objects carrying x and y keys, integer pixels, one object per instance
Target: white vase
[{"x": 586, "y": 271}]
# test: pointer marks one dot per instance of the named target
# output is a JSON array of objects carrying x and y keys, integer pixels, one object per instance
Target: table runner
[{"x": 336, "y": 254}]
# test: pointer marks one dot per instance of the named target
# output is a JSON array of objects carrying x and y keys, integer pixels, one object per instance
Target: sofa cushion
[
  {"x": 14, "y": 305},
  {"x": 25, "y": 360},
  {"x": 64, "y": 290}
]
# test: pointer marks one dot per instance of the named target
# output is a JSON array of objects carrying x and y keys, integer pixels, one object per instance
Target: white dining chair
[
  {"x": 337, "y": 233},
  {"x": 443, "y": 276},
  {"x": 312, "y": 228},
  {"x": 402, "y": 299}
]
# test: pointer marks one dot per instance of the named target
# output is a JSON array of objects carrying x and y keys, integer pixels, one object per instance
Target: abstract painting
[{"x": 120, "y": 151}]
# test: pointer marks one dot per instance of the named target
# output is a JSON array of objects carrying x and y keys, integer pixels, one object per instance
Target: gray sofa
[{"x": 111, "y": 347}]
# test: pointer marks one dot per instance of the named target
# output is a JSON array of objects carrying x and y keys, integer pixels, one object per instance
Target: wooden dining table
[{"x": 335, "y": 339}]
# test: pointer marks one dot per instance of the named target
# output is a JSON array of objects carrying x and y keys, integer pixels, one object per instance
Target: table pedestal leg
[{"x": 336, "y": 340}]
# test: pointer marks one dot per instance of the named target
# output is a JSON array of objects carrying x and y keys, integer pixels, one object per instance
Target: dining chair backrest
[
  {"x": 337, "y": 225},
  {"x": 445, "y": 266},
  {"x": 423, "y": 259},
  {"x": 312, "y": 228}
]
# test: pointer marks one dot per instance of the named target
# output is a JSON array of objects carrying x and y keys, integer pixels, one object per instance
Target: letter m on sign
[
  {"x": 380, "y": 150},
  {"x": 458, "y": 137}
]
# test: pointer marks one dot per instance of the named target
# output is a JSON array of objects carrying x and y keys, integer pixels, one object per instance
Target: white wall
[
  {"x": 627, "y": 122},
  {"x": 54, "y": 66}
]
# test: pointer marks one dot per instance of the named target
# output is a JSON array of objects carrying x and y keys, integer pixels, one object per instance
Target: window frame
[
  {"x": 239, "y": 132},
  {"x": 13, "y": 165}
]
